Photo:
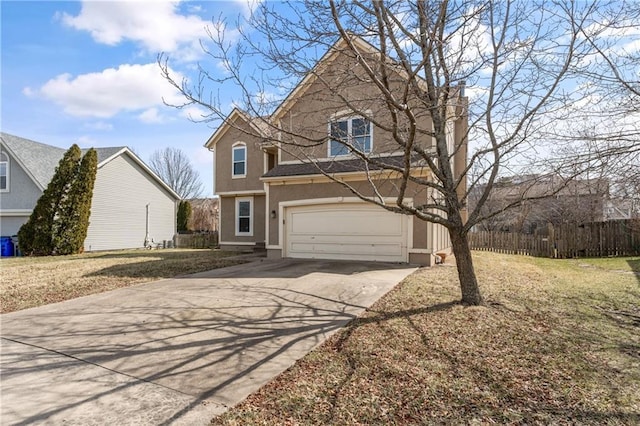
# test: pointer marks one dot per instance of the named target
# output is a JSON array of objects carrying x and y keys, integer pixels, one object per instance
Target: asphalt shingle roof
[
  {"x": 41, "y": 160},
  {"x": 105, "y": 153},
  {"x": 330, "y": 167}
]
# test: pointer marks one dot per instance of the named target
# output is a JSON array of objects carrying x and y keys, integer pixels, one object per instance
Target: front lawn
[
  {"x": 33, "y": 281},
  {"x": 558, "y": 342}
]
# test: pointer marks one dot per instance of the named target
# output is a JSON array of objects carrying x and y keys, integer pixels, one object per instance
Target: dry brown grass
[
  {"x": 557, "y": 343},
  {"x": 34, "y": 281}
]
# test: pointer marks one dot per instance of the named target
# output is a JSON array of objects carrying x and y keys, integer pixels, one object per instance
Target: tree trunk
[{"x": 466, "y": 273}]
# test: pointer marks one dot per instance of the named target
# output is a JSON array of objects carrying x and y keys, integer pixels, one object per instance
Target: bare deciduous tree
[
  {"x": 603, "y": 129},
  {"x": 204, "y": 214},
  {"x": 175, "y": 169},
  {"x": 520, "y": 61}
]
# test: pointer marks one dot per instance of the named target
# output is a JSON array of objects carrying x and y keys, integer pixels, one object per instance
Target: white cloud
[
  {"x": 105, "y": 94},
  {"x": 475, "y": 93},
  {"x": 86, "y": 142},
  {"x": 248, "y": 6},
  {"x": 266, "y": 101},
  {"x": 98, "y": 125},
  {"x": 151, "y": 116},
  {"x": 156, "y": 25},
  {"x": 194, "y": 113}
]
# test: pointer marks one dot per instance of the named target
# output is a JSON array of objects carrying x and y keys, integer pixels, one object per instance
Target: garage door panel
[
  {"x": 384, "y": 250},
  {"x": 346, "y": 231},
  {"x": 345, "y": 222}
]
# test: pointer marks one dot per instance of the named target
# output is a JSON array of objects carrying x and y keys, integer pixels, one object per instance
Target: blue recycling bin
[{"x": 6, "y": 247}]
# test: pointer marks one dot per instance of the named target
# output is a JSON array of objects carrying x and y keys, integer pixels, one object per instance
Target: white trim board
[{"x": 237, "y": 243}]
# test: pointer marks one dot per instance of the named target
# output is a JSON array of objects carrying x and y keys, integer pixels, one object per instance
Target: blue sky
[{"x": 86, "y": 73}]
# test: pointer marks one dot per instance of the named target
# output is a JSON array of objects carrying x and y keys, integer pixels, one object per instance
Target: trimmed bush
[
  {"x": 36, "y": 236},
  {"x": 59, "y": 222},
  {"x": 76, "y": 208},
  {"x": 184, "y": 213}
]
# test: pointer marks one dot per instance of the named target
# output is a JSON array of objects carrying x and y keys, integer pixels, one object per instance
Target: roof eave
[
  {"x": 226, "y": 125},
  {"x": 336, "y": 175}
]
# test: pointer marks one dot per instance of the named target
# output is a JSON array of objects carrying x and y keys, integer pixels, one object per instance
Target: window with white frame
[
  {"x": 353, "y": 131},
  {"x": 244, "y": 216},
  {"x": 4, "y": 172},
  {"x": 239, "y": 154}
]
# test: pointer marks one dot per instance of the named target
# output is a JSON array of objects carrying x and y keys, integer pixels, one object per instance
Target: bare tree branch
[{"x": 175, "y": 169}]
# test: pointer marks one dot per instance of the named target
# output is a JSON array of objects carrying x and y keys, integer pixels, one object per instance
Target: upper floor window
[
  {"x": 239, "y": 160},
  {"x": 355, "y": 131},
  {"x": 4, "y": 172}
]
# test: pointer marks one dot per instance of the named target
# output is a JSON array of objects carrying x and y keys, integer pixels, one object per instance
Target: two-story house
[{"x": 275, "y": 175}]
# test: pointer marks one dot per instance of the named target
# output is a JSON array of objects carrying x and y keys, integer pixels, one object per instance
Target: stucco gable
[
  {"x": 332, "y": 54},
  {"x": 262, "y": 127},
  {"x": 258, "y": 125}
]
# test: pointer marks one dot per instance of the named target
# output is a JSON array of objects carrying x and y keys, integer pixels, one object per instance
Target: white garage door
[{"x": 350, "y": 231}]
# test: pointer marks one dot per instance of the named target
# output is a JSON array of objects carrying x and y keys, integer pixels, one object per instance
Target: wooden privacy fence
[
  {"x": 595, "y": 239},
  {"x": 198, "y": 241}
]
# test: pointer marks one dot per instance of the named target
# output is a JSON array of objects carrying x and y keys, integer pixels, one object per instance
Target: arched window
[
  {"x": 4, "y": 172},
  {"x": 239, "y": 160}
]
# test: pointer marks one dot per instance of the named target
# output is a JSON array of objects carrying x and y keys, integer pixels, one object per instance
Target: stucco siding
[
  {"x": 119, "y": 209},
  {"x": 228, "y": 220},
  {"x": 440, "y": 240},
  {"x": 225, "y": 182},
  {"x": 323, "y": 100}
]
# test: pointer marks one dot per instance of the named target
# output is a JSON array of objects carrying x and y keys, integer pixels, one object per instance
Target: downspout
[{"x": 147, "y": 240}]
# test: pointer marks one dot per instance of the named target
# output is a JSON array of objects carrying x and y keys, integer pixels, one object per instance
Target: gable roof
[
  {"x": 257, "y": 123},
  {"x": 105, "y": 153},
  {"x": 261, "y": 124},
  {"x": 330, "y": 55},
  {"x": 40, "y": 160}
]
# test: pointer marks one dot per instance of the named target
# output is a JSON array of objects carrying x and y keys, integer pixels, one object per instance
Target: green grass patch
[{"x": 558, "y": 342}]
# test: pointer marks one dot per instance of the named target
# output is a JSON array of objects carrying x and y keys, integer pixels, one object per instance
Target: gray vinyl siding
[
  {"x": 9, "y": 225},
  {"x": 23, "y": 192},
  {"x": 118, "y": 212}
]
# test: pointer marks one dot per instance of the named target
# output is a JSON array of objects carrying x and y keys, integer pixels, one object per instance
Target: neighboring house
[
  {"x": 278, "y": 197},
  {"x": 129, "y": 200},
  {"x": 554, "y": 201},
  {"x": 204, "y": 214},
  {"x": 621, "y": 209}
]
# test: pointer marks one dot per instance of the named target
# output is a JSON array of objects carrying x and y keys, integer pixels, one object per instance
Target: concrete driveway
[{"x": 177, "y": 351}]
